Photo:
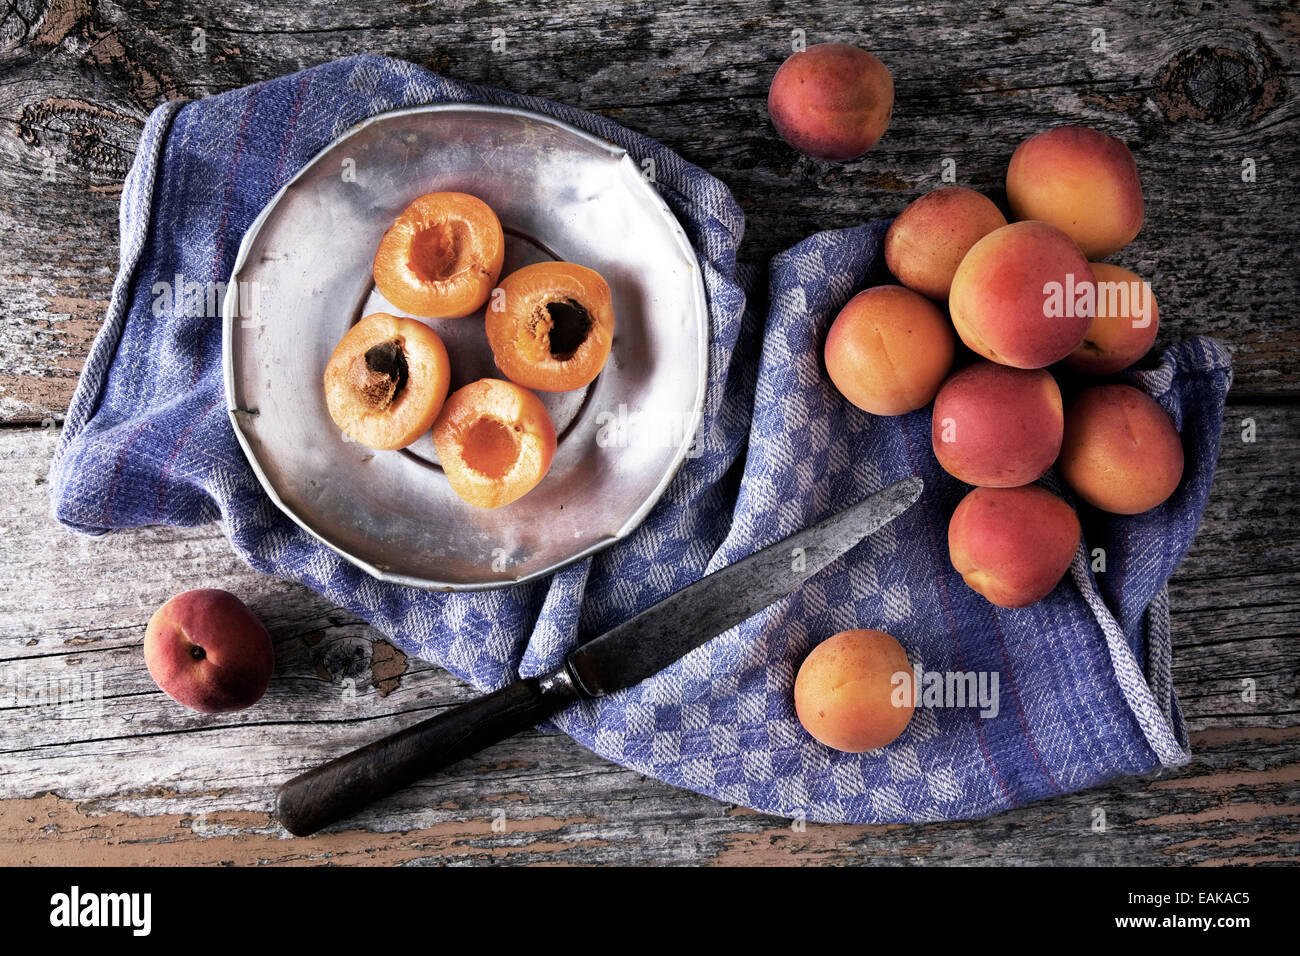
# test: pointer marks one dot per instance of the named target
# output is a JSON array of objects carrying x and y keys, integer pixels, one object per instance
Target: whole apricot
[
  {"x": 1082, "y": 181},
  {"x": 208, "y": 651},
  {"x": 929, "y": 239},
  {"x": 1024, "y": 295},
  {"x": 1013, "y": 545},
  {"x": 831, "y": 101},
  {"x": 996, "y": 426},
  {"x": 844, "y": 691},
  {"x": 1125, "y": 326},
  {"x": 1121, "y": 452},
  {"x": 889, "y": 349}
]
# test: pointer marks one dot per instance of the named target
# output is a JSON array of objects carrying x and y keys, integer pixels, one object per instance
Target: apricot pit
[
  {"x": 552, "y": 326},
  {"x": 387, "y": 380}
]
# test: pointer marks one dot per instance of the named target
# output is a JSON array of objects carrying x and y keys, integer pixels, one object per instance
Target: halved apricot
[
  {"x": 552, "y": 326},
  {"x": 442, "y": 256},
  {"x": 387, "y": 381},
  {"x": 495, "y": 441}
]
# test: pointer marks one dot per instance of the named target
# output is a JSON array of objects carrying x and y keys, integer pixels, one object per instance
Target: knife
[{"x": 634, "y": 650}]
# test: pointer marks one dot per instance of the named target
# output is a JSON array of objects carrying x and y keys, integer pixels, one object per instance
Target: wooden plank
[
  {"x": 127, "y": 776},
  {"x": 1195, "y": 90}
]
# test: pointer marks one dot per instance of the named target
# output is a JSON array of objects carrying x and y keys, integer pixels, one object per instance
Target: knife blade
[{"x": 621, "y": 657}]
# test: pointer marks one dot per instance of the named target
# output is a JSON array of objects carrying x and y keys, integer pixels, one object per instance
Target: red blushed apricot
[
  {"x": 495, "y": 441},
  {"x": 554, "y": 326},
  {"x": 889, "y": 349},
  {"x": 1081, "y": 181},
  {"x": 844, "y": 691},
  {"x": 387, "y": 380},
  {"x": 997, "y": 426},
  {"x": 1125, "y": 326},
  {"x": 208, "y": 651},
  {"x": 929, "y": 239},
  {"x": 1121, "y": 452},
  {"x": 1013, "y": 545},
  {"x": 442, "y": 256},
  {"x": 831, "y": 101},
  {"x": 1023, "y": 296}
]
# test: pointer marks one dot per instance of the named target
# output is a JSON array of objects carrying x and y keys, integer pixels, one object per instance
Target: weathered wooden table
[{"x": 1205, "y": 93}]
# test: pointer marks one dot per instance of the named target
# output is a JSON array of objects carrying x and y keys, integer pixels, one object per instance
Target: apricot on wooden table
[
  {"x": 387, "y": 380},
  {"x": 1082, "y": 181},
  {"x": 844, "y": 691},
  {"x": 441, "y": 257},
  {"x": 495, "y": 441},
  {"x": 831, "y": 101},
  {"x": 889, "y": 350},
  {"x": 205, "y": 649},
  {"x": 551, "y": 326}
]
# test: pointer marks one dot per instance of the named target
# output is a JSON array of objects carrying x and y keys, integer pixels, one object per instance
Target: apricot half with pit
[
  {"x": 387, "y": 380},
  {"x": 442, "y": 256},
  {"x": 495, "y": 441},
  {"x": 551, "y": 326}
]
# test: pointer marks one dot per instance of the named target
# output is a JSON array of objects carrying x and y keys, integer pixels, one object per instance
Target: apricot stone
[
  {"x": 1082, "y": 181},
  {"x": 1013, "y": 545},
  {"x": 929, "y": 239},
  {"x": 1121, "y": 452},
  {"x": 831, "y": 101},
  {"x": 1023, "y": 296},
  {"x": 208, "y": 651},
  {"x": 889, "y": 349},
  {"x": 1125, "y": 326},
  {"x": 997, "y": 426},
  {"x": 844, "y": 691}
]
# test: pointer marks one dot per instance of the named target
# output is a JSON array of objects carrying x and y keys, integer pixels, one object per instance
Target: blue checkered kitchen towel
[{"x": 1084, "y": 676}]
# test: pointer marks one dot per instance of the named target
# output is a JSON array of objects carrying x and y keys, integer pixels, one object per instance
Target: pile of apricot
[
  {"x": 1022, "y": 296},
  {"x": 550, "y": 326}
]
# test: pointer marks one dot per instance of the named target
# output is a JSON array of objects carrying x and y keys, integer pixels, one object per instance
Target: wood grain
[
  {"x": 1195, "y": 89},
  {"x": 98, "y": 766}
]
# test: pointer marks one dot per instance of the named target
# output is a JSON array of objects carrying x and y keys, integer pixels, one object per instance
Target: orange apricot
[
  {"x": 927, "y": 242},
  {"x": 889, "y": 350},
  {"x": 1124, "y": 327},
  {"x": 552, "y": 326},
  {"x": 844, "y": 691},
  {"x": 441, "y": 257},
  {"x": 1120, "y": 452},
  {"x": 831, "y": 101},
  {"x": 387, "y": 380},
  {"x": 495, "y": 441}
]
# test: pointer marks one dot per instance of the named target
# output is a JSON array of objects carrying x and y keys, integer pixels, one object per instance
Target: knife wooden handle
[{"x": 339, "y": 788}]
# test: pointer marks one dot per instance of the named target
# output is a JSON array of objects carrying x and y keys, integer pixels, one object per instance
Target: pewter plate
[{"x": 303, "y": 277}]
